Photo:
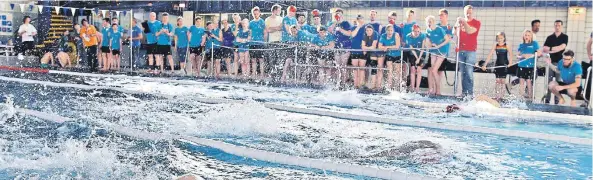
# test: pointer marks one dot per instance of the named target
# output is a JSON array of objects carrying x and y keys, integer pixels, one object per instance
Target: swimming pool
[{"x": 172, "y": 108}]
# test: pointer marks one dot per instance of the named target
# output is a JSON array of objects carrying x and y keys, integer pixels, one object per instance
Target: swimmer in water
[{"x": 454, "y": 107}]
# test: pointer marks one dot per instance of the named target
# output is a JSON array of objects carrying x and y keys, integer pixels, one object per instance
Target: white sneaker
[{"x": 20, "y": 57}]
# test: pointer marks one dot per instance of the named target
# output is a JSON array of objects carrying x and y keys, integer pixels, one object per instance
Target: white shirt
[
  {"x": 29, "y": 30},
  {"x": 274, "y": 22}
]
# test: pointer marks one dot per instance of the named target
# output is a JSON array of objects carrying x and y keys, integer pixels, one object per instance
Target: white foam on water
[{"x": 348, "y": 98}]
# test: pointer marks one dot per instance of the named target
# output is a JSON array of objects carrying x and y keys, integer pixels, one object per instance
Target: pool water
[{"x": 31, "y": 147}]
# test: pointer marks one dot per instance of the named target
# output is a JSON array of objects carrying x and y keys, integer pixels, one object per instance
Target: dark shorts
[
  {"x": 579, "y": 89},
  {"x": 151, "y": 49},
  {"x": 525, "y": 73},
  {"x": 501, "y": 73},
  {"x": 393, "y": 59},
  {"x": 105, "y": 49},
  {"x": 210, "y": 52},
  {"x": 258, "y": 54},
  {"x": 115, "y": 51},
  {"x": 357, "y": 56},
  {"x": 409, "y": 57},
  {"x": 196, "y": 50},
  {"x": 227, "y": 52},
  {"x": 164, "y": 50},
  {"x": 372, "y": 64}
]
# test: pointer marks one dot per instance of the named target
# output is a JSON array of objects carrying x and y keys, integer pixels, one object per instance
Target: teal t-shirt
[{"x": 182, "y": 39}]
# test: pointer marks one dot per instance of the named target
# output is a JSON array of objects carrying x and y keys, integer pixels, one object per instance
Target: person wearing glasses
[{"x": 570, "y": 78}]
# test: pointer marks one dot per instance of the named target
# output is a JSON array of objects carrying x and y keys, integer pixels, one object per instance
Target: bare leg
[
  {"x": 285, "y": 70},
  {"x": 418, "y": 77},
  {"x": 380, "y": 65},
  {"x": 355, "y": 64},
  {"x": 398, "y": 76},
  {"x": 390, "y": 75},
  {"x": 254, "y": 68},
  {"x": 262, "y": 67},
  {"x": 529, "y": 89},
  {"x": 412, "y": 79},
  {"x": 361, "y": 73},
  {"x": 573, "y": 94},
  {"x": 437, "y": 61}
]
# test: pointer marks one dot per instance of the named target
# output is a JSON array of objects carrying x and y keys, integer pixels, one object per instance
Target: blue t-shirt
[
  {"x": 154, "y": 27},
  {"x": 357, "y": 39},
  {"x": 105, "y": 33},
  {"x": 181, "y": 33},
  {"x": 530, "y": 48},
  {"x": 302, "y": 36},
  {"x": 437, "y": 36},
  {"x": 368, "y": 40},
  {"x": 136, "y": 31},
  {"x": 342, "y": 40},
  {"x": 164, "y": 38},
  {"x": 385, "y": 41},
  {"x": 312, "y": 28},
  {"x": 242, "y": 35},
  {"x": 415, "y": 42},
  {"x": 196, "y": 36},
  {"x": 323, "y": 42},
  {"x": 408, "y": 28},
  {"x": 449, "y": 31},
  {"x": 211, "y": 41},
  {"x": 396, "y": 29},
  {"x": 115, "y": 39},
  {"x": 257, "y": 31},
  {"x": 569, "y": 74},
  {"x": 376, "y": 26},
  {"x": 287, "y": 21}
]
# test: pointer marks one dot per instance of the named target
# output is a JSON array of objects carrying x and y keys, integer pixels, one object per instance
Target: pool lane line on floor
[
  {"x": 339, "y": 115},
  {"x": 505, "y": 112},
  {"x": 244, "y": 151}
]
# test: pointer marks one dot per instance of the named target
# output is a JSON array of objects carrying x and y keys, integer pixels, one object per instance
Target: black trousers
[
  {"x": 26, "y": 47},
  {"x": 92, "y": 62}
]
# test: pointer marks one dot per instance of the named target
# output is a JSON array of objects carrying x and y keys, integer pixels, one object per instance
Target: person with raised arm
[
  {"x": 467, "y": 30},
  {"x": 358, "y": 57},
  {"x": 342, "y": 30}
]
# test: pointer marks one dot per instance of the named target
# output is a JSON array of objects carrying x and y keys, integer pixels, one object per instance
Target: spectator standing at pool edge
[
  {"x": 88, "y": 33},
  {"x": 468, "y": 44},
  {"x": 555, "y": 44}
]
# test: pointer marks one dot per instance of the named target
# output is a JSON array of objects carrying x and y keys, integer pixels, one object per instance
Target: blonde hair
[
  {"x": 527, "y": 31},
  {"x": 428, "y": 18}
]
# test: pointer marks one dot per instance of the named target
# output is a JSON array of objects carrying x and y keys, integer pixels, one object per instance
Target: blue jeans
[
  {"x": 139, "y": 61},
  {"x": 182, "y": 53},
  {"x": 467, "y": 72}
]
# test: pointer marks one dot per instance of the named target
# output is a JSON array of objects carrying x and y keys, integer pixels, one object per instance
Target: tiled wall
[{"x": 511, "y": 20}]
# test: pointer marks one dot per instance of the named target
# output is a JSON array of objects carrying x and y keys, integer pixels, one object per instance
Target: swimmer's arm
[{"x": 490, "y": 55}]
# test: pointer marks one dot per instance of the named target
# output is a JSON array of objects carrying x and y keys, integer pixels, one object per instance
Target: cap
[
  {"x": 322, "y": 28},
  {"x": 316, "y": 13},
  {"x": 292, "y": 9}
]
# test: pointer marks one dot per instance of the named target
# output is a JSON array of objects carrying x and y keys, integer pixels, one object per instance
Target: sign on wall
[{"x": 6, "y": 24}]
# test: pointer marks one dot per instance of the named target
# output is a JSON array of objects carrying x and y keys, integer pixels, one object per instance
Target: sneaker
[{"x": 21, "y": 57}]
